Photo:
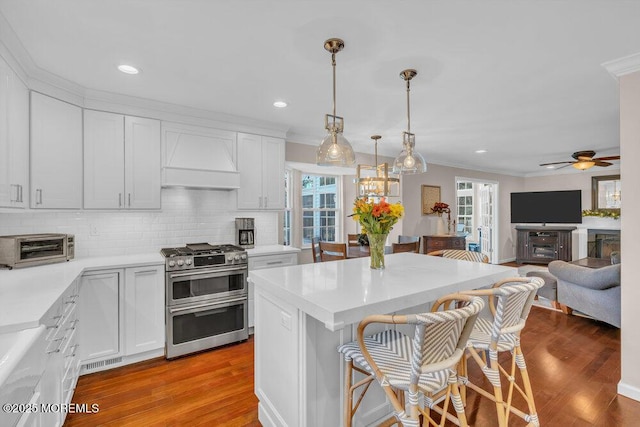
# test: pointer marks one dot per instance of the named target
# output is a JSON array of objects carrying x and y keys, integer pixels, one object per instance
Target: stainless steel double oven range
[{"x": 206, "y": 297}]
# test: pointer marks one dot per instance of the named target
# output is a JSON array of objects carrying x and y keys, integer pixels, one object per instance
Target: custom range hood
[{"x": 198, "y": 157}]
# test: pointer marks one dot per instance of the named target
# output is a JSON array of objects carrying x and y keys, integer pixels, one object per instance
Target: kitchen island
[{"x": 304, "y": 312}]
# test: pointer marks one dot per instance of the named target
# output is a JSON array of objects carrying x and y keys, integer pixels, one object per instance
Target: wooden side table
[{"x": 435, "y": 243}]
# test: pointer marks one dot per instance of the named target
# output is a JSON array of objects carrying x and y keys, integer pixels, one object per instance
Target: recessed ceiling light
[
  {"x": 481, "y": 151},
  {"x": 279, "y": 104},
  {"x": 128, "y": 69}
]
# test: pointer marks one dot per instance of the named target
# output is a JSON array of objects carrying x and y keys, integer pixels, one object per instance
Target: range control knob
[
  {"x": 230, "y": 258},
  {"x": 236, "y": 258},
  {"x": 243, "y": 256},
  {"x": 188, "y": 261},
  {"x": 172, "y": 263},
  {"x": 180, "y": 263}
]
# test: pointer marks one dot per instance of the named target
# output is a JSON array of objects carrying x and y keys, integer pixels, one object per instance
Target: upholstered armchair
[{"x": 592, "y": 291}]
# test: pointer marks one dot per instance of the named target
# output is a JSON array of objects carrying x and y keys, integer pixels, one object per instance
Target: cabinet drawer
[
  {"x": 436, "y": 244},
  {"x": 543, "y": 240},
  {"x": 457, "y": 243},
  {"x": 272, "y": 261}
]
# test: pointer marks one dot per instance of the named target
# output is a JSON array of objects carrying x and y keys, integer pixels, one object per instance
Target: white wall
[
  {"x": 187, "y": 216},
  {"x": 630, "y": 151},
  {"x": 417, "y": 224},
  {"x": 570, "y": 181}
]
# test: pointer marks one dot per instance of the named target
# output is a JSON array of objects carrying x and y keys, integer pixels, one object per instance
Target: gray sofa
[{"x": 592, "y": 291}]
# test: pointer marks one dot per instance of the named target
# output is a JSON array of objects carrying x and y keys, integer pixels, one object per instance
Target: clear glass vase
[{"x": 376, "y": 250}]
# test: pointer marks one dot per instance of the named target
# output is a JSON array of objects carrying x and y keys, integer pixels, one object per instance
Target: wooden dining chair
[
  {"x": 315, "y": 249},
  {"x": 330, "y": 251},
  {"x": 408, "y": 239},
  {"x": 352, "y": 240},
  {"x": 396, "y": 248}
]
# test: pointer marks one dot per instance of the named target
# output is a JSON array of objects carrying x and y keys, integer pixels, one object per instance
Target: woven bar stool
[
  {"x": 460, "y": 254},
  {"x": 423, "y": 364},
  {"x": 509, "y": 304}
]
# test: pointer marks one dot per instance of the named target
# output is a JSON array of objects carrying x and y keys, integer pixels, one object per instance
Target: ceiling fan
[{"x": 585, "y": 160}]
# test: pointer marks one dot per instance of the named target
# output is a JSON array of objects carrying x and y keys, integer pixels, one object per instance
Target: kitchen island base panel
[
  {"x": 299, "y": 372},
  {"x": 304, "y": 312}
]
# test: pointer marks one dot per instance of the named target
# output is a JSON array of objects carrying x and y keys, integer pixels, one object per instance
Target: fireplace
[{"x": 601, "y": 243}]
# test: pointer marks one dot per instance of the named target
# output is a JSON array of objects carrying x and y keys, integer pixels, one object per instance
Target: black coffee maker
[{"x": 245, "y": 232}]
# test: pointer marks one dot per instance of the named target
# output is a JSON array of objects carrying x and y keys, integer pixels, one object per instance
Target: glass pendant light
[
  {"x": 375, "y": 180},
  {"x": 334, "y": 150},
  {"x": 409, "y": 160}
]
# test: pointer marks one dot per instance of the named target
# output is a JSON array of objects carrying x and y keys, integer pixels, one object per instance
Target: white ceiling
[{"x": 521, "y": 79}]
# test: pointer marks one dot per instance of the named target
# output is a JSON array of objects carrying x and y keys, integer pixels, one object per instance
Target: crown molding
[
  {"x": 622, "y": 66},
  {"x": 43, "y": 81}
]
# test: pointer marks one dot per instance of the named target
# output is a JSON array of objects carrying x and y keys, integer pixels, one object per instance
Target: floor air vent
[{"x": 102, "y": 363}]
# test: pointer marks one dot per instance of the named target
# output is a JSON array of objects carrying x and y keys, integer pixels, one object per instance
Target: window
[
  {"x": 312, "y": 208},
  {"x": 465, "y": 205},
  {"x": 286, "y": 238},
  {"x": 320, "y": 208}
]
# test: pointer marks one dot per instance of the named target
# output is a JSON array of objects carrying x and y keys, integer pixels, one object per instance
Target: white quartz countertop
[
  {"x": 271, "y": 250},
  {"x": 27, "y": 293},
  {"x": 340, "y": 293}
]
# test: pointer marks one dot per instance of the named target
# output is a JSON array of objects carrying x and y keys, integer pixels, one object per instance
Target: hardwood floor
[{"x": 574, "y": 364}]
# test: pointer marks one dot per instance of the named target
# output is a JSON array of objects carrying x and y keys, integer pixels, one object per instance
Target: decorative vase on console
[
  {"x": 440, "y": 208},
  {"x": 440, "y": 226},
  {"x": 376, "y": 220}
]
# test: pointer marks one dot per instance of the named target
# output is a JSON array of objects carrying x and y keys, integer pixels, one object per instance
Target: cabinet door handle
[
  {"x": 265, "y": 201},
  {"x": 129, "y": 199},
  {"x": 260, "y": 201},
  {"x": 38, "y": 196},
  {"x": 119, "y": 200},
  {"x": 21, "y": 199}
]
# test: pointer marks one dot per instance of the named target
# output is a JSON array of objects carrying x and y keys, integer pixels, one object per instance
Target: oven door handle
[
  {"x": 207, "y": 305},
  {"x": 208, "y": 271}
]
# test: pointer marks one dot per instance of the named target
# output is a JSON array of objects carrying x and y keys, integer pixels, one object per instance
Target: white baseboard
[
  {"x": 629, "y": 391},
  {"x": 265, "y": 417}
]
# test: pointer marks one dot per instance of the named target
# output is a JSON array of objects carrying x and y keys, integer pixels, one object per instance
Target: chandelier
[
  {"x": 375, "y": 180},
  {"x": 409, "y": 160},
  {"x": 334, "y": 150}
]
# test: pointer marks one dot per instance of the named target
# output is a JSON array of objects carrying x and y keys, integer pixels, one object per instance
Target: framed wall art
[
  {"x": 606, "y": 193},
  {"x": 430, "y": 195}
]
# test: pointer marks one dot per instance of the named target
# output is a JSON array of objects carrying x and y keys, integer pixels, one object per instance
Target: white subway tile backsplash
[{"x": 187, "y": 216}]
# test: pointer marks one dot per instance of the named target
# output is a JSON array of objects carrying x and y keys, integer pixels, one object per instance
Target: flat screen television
[{"x": 553, "y": 207}]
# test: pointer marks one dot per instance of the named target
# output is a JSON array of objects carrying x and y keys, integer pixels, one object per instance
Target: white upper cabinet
[
  {"x": 103, "y": 160},
  {"x": 121, "y": 161},
  {"x": 56, "y": 153},
  {"x": 261, "y": 166},
  {"x": 14, "y": 138},
  {"x": 142, "y": 167},
  {"x": 198, "y": 157}
]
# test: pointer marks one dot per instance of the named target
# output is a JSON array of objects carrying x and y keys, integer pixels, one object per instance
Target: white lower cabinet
[
  {"x": 62, "y": 364},
  {"x": 100, "y": 295},
  {"x": 144, "y": 309},
  {"x": 260, "y": 262},
  {"x": 122, "y": 316}
]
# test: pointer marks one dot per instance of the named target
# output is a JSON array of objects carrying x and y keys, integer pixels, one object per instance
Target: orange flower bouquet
[{"x": 377, "y": 220}]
